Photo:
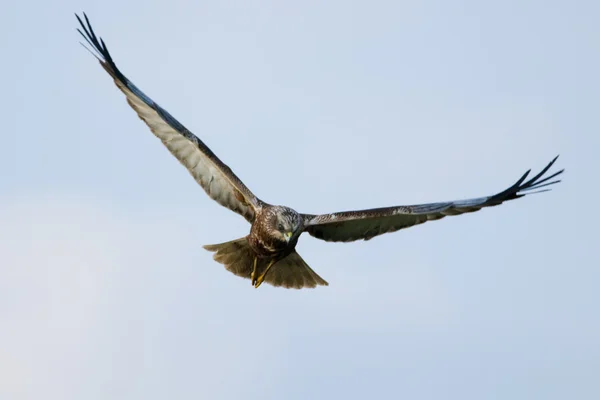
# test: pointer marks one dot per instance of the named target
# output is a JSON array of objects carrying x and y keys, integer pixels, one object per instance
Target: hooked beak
[{"x": 287, "y": 236}]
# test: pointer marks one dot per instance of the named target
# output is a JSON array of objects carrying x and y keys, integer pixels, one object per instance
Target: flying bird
[{"x": 267, "y": 253}]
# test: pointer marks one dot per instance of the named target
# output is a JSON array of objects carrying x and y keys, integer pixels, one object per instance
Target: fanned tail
[
  {"x": 290, "y": 272},
  {"x": 236, "y": 256}
]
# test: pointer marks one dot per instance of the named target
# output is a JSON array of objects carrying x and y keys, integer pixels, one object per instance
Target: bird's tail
[{"x": 290, "y": 272}]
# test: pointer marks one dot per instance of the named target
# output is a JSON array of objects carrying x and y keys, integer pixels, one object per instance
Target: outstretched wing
[
  {"x": 366, "y": 224},
  {"x": 216, "y": 178}
]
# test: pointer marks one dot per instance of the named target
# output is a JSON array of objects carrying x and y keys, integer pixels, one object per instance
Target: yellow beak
[{"x": 288, "y": 236}]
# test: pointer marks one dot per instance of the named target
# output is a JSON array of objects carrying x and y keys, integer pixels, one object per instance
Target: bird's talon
[
  {"x": 258, "y": 281},
  {"x": 253, "y": 274}
]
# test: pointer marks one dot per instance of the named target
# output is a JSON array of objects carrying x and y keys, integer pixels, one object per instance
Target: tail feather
[
  {"x": 289, "y": 272},
  {"x": 236, "y": 256},
  {"x": 293, "y": 272}
]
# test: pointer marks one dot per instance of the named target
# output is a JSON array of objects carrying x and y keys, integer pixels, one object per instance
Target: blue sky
[{"x": 106, "y": 292}]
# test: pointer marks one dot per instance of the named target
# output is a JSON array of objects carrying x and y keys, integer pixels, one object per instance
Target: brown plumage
[{"x": 268, "y": 253}]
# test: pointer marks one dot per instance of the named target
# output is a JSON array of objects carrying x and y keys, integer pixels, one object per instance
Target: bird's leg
[
  {"x": 261, "y": 278},
  {"x": 253, "y": 274}
]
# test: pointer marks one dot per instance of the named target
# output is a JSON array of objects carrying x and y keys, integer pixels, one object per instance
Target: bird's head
[{"x": 285, "y": 224}]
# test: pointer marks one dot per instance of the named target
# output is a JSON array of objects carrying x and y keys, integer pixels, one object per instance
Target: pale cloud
[
  {"x": 101, "y": 302},
  {"x": 57, "y": 255},
  {"x": 68, "y": 266}
]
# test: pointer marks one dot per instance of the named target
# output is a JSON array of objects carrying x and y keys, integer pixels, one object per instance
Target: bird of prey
[{"x": 268, "y": 253}]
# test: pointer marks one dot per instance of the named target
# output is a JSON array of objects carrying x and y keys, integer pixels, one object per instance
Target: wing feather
[
  {"x": 216, "y": 178},
  {"x": 365, "y": 224}
]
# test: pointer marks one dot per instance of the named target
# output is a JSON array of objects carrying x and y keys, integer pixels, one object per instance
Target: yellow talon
[
  {"x": 254, "y": 270},
  {"x": 261, "y": 278}
]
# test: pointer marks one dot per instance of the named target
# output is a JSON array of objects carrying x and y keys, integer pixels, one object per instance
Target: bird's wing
[
  {"x": 366, "y": 224},
  {"x": 216, "y": 178}
]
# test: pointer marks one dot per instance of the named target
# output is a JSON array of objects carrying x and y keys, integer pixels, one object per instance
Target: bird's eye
[{"x": 280, "y": 227}]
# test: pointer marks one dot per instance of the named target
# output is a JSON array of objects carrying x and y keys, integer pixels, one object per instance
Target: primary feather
[
  {"x": 216, "y": 178},
  {"x": 348, "y": 226}
]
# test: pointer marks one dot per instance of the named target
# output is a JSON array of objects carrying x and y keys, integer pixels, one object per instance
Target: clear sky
[{"x": 106, "y": 292}]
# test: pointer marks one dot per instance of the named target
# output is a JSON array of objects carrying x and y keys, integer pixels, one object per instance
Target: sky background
[{"x": 106, "y": 292}]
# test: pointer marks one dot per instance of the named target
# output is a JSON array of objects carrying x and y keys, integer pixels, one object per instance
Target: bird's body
[
  {"x": 273, "y": 236},
  {"x": 268, "y": 253},
  {"x": 275, "y": 231}
]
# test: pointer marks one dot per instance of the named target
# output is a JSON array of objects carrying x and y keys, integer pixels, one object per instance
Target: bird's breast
[{"x": 265, "y": 244}]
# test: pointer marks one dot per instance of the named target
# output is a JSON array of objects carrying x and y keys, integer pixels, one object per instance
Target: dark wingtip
[
  {"x": 522, "y": 188},
  {"x": 517, "y": 184},
  {"x": 537, "y": 183},
  {"x": 98, "y": 46}
]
